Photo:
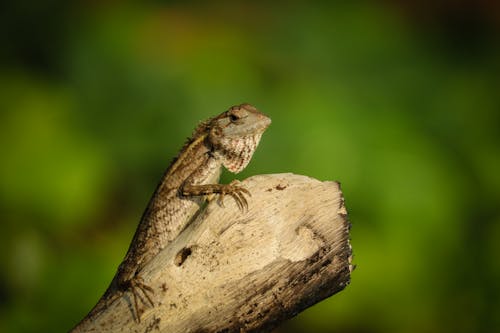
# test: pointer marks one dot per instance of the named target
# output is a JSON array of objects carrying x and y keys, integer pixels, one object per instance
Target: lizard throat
[{"x": 236, "y": 153}]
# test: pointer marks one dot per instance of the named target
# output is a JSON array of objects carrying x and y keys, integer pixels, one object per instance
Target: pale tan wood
[{"x": 232, "y": 271}]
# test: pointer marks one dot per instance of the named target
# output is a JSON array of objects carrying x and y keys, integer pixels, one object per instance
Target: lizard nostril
[{"x": 182, "y": 256}]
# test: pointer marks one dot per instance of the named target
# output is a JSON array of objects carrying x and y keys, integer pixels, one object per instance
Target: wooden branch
[{"x": 231, "y": 271}]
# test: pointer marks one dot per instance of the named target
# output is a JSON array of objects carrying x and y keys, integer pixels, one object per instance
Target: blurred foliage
[{"x": 398, "y": 101}]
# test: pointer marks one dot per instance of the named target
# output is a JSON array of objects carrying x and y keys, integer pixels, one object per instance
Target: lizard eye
[
  {"x": 233, "y": 117},
  {"x": 236, "y": 114}
]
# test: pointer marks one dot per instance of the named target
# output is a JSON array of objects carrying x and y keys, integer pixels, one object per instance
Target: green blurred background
[{"x": 399, "y": 101}]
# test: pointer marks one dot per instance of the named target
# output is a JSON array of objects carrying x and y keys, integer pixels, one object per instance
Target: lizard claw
[
  {"x": 136, "y": 284},
  {"x": 237, "y": 192},
  {"x": 240, "y": 199}
]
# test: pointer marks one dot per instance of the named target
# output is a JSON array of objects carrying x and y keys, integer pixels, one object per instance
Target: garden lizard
[{"x": 228, "y": 140}]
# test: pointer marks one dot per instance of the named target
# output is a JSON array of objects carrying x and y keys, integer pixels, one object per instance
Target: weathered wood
[{"x": 232, "y": 271}]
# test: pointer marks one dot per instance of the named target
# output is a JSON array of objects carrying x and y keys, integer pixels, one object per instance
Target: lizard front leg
[{"x": 234, "y": 189}]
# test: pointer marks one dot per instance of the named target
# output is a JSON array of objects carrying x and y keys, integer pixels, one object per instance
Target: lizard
[{"x": 227, "y": 140}]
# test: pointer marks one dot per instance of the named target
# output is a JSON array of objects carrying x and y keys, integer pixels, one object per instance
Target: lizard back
[{"x": 167, "y": 211}]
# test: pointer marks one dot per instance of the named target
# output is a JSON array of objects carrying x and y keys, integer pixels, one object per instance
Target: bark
[{"x": 231, "y": 271}]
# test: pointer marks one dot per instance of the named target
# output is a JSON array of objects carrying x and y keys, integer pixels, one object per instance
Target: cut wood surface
[{"x": 246, "y": 271}]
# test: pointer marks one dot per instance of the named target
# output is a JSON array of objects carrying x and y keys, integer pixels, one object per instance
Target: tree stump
[{"x": 233, "y": 271}]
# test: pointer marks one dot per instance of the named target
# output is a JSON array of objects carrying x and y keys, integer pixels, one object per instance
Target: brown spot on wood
[
  {"x": 280, "y": 187},
  {"x": 182, "y": 256},
  {"x": 164, "y": 287}
]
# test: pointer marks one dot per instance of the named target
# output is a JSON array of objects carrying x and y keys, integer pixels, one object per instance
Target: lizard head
[{"x": 235, "y": 134}]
